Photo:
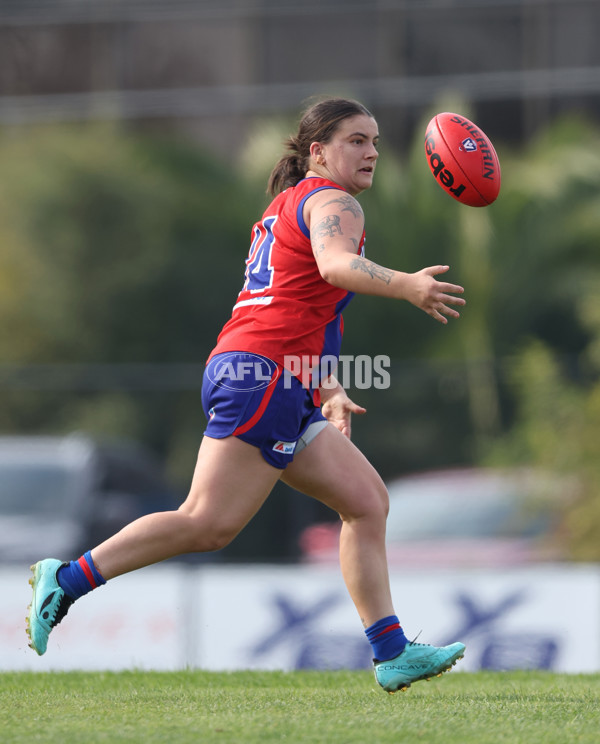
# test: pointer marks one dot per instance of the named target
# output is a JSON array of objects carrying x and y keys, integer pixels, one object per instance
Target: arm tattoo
[
  {"x": 349, "y": 204},
  {"x": 372, "y": 269},
  {"x": 328, "y": 227},
  {"x": 317, "y": 249}
]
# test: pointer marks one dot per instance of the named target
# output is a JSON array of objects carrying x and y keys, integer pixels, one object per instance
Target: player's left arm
[
  {"x": 336, "y": 223},
  {"x": 337, "y": 407}
]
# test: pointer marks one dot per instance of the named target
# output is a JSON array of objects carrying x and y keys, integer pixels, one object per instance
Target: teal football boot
[
  {"x": 49, "y": 604},
  {"x": 417, "y": 661}
]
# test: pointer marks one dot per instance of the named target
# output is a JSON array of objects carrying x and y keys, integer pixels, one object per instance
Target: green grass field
[{"x": 324, "y": 707}]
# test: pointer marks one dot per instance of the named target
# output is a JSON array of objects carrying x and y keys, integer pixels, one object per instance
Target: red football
[{"x": 462, "y": 159}]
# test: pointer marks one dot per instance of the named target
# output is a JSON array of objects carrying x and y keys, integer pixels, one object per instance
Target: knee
[
  {"x": 372, "y": 505},
  {"x": 380, "y": 506},
  {"x": 208, "y": 536},
  {"x": 213, "y": 542}
]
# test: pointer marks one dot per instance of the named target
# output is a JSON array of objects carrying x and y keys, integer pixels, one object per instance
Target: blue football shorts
[{"x": 253, "y": 398}]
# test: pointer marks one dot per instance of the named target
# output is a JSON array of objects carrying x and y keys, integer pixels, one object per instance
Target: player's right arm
[{"x": 336, "y": 224}]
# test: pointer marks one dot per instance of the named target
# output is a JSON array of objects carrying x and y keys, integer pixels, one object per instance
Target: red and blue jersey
[{"x": 286, "y": 310}]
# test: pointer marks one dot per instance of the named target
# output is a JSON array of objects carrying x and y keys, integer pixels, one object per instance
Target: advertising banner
[{"x": 300, "y": 617}]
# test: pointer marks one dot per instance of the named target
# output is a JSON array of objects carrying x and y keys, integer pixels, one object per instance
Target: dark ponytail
[
  {"x": 290, "y": 169},
  {"x": 318, "y": 124}
]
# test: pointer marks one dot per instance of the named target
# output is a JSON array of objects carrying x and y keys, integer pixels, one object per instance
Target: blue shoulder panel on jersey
[{"x": 299, "y": 215}]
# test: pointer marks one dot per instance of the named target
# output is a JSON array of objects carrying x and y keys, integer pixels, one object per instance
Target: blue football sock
[
  {"x": 387, "y": 638},
  {"x": 79, "y": 577}
]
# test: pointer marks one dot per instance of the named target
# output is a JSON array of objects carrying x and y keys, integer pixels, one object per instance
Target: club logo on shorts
[
  {"x": 242, "y": 371},
  {"x": 286, "y": 448}
]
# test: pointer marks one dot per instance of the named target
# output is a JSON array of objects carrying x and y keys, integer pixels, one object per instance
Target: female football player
[{"x": 274, "y": 410}]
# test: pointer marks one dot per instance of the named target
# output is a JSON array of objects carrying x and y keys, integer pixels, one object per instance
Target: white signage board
[{"x": 293, "y": 617}]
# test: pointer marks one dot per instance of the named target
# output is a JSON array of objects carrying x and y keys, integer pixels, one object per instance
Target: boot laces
[{"x": 414, "y": 641}]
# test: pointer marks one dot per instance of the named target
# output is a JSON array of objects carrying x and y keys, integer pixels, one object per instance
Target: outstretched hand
[{"x": 432, "y": 296}]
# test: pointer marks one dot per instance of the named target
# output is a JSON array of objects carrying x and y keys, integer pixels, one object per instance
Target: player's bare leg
[
  {"x": 231, "y": 481},
  {"x": 334, "y": 471}
]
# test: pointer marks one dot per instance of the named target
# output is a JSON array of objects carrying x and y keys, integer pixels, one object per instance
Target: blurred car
[
  {"x": 60, "y": 496},
  {"x": 472, "y": 517}
]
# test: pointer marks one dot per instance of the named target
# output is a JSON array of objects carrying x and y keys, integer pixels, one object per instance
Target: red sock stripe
[
  {"x": 87, "y": 571},
  {"x": 395, "y": 626}
]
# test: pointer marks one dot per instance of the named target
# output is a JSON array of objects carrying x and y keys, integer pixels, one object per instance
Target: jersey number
[{"x": 259, "y": 272}]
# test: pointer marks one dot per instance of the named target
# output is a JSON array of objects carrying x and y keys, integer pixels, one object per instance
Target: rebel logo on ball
[{"x": 439, "y": 168}]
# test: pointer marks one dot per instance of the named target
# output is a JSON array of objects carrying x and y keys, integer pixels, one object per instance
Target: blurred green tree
[
  {"x": 552, "y": 266},
  {"x": 116, "y": 248},
  {"x": 113, "y": 249}
]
